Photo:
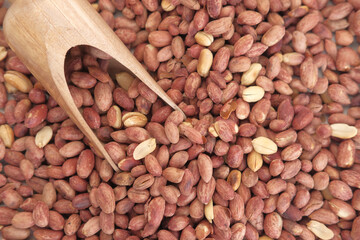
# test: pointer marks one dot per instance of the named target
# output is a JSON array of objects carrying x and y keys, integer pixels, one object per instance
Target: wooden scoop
[{"x": 41, "y": 32}]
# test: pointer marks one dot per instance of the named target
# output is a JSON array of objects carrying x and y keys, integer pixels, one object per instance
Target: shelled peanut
[{"x": 269, "y": 148}]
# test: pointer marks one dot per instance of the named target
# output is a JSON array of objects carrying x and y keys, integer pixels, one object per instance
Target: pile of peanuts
[{"x": 269, "y": 147}]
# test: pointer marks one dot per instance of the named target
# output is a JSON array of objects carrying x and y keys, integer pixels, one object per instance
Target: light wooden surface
[{"x": 41, "y": 32}]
